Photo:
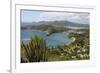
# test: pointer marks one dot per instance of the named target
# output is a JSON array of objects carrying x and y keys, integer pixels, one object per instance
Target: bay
[{"x": 53, "y": 40}]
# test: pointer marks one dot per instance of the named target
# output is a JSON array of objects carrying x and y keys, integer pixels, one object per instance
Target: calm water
[{"x": 52, "y": 40}]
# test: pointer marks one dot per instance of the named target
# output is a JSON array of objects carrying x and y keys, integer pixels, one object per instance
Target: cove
[{"x": 52, "y": 40}]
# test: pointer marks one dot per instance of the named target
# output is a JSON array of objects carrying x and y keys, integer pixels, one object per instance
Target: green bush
[{"x": 34, "y": 51}]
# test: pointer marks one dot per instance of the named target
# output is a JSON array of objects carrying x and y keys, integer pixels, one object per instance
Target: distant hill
[
  {"x": 58, "y": 23},
  {"x": 55, "y": 26}
]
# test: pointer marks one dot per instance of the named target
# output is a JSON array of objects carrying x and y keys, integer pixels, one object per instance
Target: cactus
[{"x": 35, "y": 50}]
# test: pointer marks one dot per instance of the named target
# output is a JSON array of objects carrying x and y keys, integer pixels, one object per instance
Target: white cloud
[
  {"x": 51, "y": 16},
  {"x": 74, "y": 17}
]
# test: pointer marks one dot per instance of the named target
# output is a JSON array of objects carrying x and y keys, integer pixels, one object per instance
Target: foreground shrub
[{"x": 34, "y": 51}]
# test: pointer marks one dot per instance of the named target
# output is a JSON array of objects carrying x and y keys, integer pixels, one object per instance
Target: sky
[{"x": 28, "y": 16}]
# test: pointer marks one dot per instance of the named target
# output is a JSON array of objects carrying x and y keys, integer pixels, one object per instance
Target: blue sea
[{"x": 53, "y": 40}]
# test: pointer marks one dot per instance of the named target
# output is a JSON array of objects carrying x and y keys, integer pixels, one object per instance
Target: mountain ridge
[{"x": 59, "y": 23}]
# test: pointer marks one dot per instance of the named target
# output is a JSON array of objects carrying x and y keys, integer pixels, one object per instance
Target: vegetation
[
  {"x": 36, "y": 50},
  {"x": 77, "y": 50}
]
